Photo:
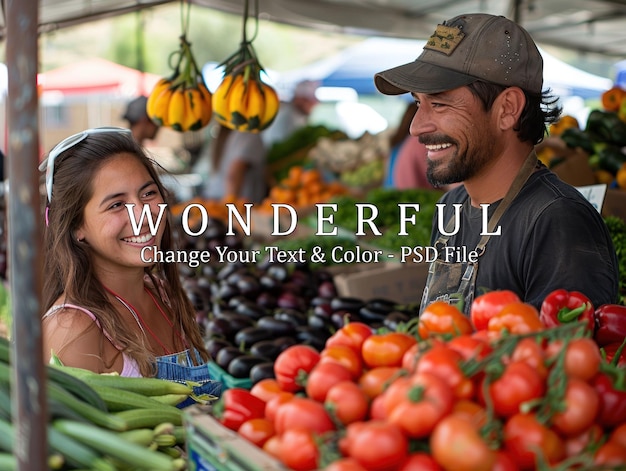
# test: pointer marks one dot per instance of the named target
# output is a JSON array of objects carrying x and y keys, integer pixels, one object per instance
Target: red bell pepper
[
  {"x": 562, "y": 306},
  {"x": 236, "y": 406},
  {"x": 612, "y": 399},
  {"x": 610, "y": 322}
]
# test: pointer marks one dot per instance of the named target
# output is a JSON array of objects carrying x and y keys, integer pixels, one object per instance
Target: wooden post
[{"x": 24, "y": 241}]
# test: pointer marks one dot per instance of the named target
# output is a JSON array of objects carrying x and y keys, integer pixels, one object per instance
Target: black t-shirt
[{"x": 551, "y": 238}]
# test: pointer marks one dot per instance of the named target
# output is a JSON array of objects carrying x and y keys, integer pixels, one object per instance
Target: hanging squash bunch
[
  {"x": 182, "y": 101},
  {"x": 243, "y": 101}
]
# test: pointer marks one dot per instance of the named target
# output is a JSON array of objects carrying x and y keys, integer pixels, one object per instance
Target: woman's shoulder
[{"x": 69, "y": 316}]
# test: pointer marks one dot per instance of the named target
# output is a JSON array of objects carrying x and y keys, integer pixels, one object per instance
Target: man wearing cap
[
  {"x": 478, "y": 85},
  {"x": 141, "y": 126}
]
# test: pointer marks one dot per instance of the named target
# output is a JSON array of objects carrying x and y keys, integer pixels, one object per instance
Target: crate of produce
[{"x": 213, "y": 447}]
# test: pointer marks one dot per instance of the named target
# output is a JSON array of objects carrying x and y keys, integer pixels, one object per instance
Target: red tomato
[
  {"x": 257, "y": 431},
  {"x": 504, "y": 462},
  {"x": 389, "y": 451},
  {"x": 351, "y": 335},
  {"x": 472, "y": 411},
  {"x": 272, "y": 446},
  {"x": 303, "y": 413},
  {"x": 587, "y": 440},
  {"x": 470, "y": 347},
  {"x": 377, "y": 408},
  {"x": 274, "y": 403},
  {"x": 345, "y": 464},
  {"x": 487, "y": 305},
  {"x": 524, "y": 436},
  {"x": 347, "y": 402},
  {"x": 516, "y": 318},
  {"x": 519, "y": 383},
  {"x": 440, "y": 317},
  {"x": 531, "y": 352},
  {"x": 386, "y": 349},
  {"x": 610, "y": 454},
  {"x": 266, "y": 389},
  {"x": 411, "y": 357},
  {"x": 292, "y": 364},
  {"x": 581, "y": 408},
  {"x": 324, "y": 376},
  {"x": 375, "y": 381},
  {"x": 298, "y": 450},
  {"x": 445, "y": 363},
  {"x": 582, "y": 357},
  {"x": 345, "y": 356},
  {"x": 420, "y": 462},
  {"x": 457, "y": 446},
  {"x": 418, "y": 403},
  {"x": 618, "y": 435}
]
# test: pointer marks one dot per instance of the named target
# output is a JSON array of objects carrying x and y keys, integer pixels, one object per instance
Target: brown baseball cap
[{"x": 467, "y": 48}]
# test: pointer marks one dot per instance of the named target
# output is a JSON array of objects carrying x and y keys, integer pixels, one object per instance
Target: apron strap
[{"x": 520, "y": 179}]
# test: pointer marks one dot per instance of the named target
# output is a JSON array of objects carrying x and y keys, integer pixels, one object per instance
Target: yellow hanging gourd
[
  {"x": 182, "y": 101},
  {"x": 243, "y": 101}
]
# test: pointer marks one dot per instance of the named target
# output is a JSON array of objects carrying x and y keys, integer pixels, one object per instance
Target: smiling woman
[{"x": 107, "y": 308}]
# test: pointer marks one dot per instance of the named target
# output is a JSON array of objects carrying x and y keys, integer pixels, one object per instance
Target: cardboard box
[
  {"x": 615, "y": 203},
  {"x": 575, "y": 168},
  {"x": 212, "y": 447},
  {"x": 400, "y": 282}
]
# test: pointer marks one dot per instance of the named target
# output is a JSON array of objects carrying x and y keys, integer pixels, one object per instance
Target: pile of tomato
[{"x": 496, "y": 391}]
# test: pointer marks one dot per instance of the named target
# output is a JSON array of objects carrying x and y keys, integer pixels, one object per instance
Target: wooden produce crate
[{"x": 213, "y": 447}]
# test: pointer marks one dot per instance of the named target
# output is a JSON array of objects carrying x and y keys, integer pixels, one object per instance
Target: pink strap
[{"x": 130, "y": 368}]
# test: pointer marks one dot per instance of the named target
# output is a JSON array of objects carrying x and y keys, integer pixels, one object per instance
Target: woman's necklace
[{"x": 143, "y": 325}]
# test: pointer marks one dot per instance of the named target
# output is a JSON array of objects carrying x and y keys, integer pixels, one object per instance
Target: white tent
[{"x": 355, "y": 67}]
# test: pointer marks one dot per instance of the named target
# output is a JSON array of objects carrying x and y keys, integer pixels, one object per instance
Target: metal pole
[{"x": 28, "y": 386}]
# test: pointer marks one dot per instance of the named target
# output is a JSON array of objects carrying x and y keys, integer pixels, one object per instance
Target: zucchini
[
  {"x": 149, "y": 418},
  {"x": 96, "y": 416},
  {"x": 111, "y": 444},
  {"x": 8, "y": 462},
  {"x": 119, "y": 399},
  {"x": 5, "y": 350},
  {"x": 7, "y": 436},
  {"x": 145, "y": 386},
  {"x": 76, "y": 453},
  {"x": 77, "y": 387}
]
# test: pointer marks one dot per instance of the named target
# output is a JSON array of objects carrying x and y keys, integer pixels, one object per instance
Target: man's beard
[{"x": 458, "y": 168}]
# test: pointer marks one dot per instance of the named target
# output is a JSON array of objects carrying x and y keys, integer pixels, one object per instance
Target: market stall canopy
[
  {"x": 97, "y": 76},
  {"x": 355, "y": 67},
  {"x": 582, "y": 25}
]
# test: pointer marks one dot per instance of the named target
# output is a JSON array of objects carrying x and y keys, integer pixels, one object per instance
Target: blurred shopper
[
  {"x": 292, "y": 115},
  {"x": 140, "y": 125},
  {"x": 478, "y": 85},
  {"x": 397, "y": 139},
  {"x": 237, "y": 166}
]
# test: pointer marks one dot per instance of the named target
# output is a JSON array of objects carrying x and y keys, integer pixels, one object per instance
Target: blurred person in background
[
  {"x": 396, "y": 140},
  {"x": 236, "y": 166},
  {"x": 141, "y": 126},
  {"x": 292, "y": 115},
  {"x": 407, "y": 161}
]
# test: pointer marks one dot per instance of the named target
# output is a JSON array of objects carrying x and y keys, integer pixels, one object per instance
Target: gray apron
[{"x": 455, "y": 283}]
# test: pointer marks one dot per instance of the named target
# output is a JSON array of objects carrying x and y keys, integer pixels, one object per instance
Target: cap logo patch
[{"x": 445, "y": 39}]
